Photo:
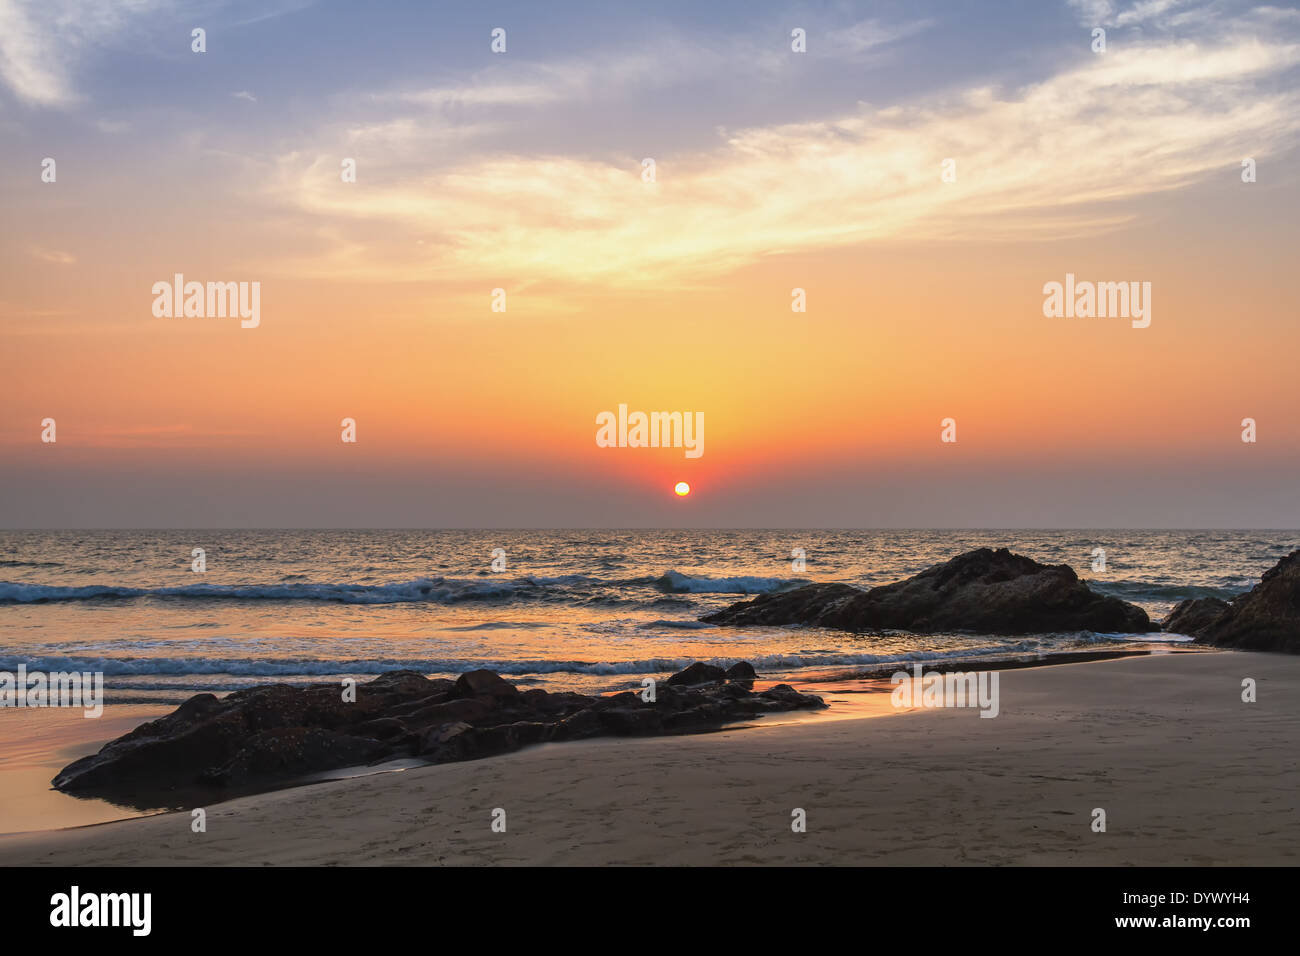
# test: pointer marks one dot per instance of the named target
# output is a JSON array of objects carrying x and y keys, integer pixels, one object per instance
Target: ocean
[{"x": 585, "y": 610}]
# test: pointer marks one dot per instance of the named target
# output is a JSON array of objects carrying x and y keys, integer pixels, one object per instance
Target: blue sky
[{"x": 664, "y": 75}]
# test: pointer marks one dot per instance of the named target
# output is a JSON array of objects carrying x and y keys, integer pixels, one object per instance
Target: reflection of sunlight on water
[
  {"x": 846, "y": 700},
  {"x": 36, "y": 743},
  {"x": 396, "y": 765}
]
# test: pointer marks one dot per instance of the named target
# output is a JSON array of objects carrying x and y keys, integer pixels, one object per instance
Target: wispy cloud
[
  {"x": 41, "y": 41},
  {"x": 1207, "y": 15},
  {"x": 867, "y": 35},
  {"x": 663, "y": 61},
  {"x": 55, "y": 256},
  {"x": 1051, "y": 159},
  {"x": 44, "y": 42},
  {"x": 26, "y": 58}
]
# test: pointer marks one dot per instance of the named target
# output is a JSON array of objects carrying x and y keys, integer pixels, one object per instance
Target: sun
[{"x": 682, "y": 489}]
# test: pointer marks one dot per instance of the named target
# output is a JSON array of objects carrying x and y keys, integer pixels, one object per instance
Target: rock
[
  {"x": 159, "y": 755},
  {"x": 531, "y": 732},
  {"x": 204, "y": 735},
  {"x": 1265, "y": 618},
  {"x": 798, "y": 606},
  {"x": 671, "y": 698},
  {"x": 200, "y": 705},
  {"x": 382, "y": 728},
  {"x": 406, "y": 683},
  {"x": 484, "y": 682},
  {"x": 583, "y": 724},
  {"x": 554, "y": 706},
  {"x": 632, "y": 721},
  {"x": 264, "y": 736},
  {"x": 495, "y": 740},
  {"x": 1192, "y": 616},
  {"x": 706, "y": 715},
  {"x": 626, "y": 698},
  {"x": 291, "y": 752},
  {"x": 452, "y": 741},
  {"x": 741, "y": 671},
  {"x": 467, "y": 709},
  {"x": 786, "y": 692},
  {"x": 982, "y": 591},
  {"x": 412, "y": 706},
  {"x": 697, "y": 673}
]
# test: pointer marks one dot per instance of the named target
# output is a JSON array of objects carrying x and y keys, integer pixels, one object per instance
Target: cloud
[
  {"x": 1147, "y": 10},
  {"x": 27, "y": 59},
  {"x": 42, "y": 42},
  {"x": 244, "y": 95},
  {"x": 663, "y": 61},
  {"x": 1202, "y": 16},
  {"x": 1052, "y": 159},
  {"x": 858, "y": 38},
  {"x": 54, "y": 256}
]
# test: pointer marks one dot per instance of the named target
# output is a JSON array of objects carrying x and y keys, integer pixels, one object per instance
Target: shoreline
[
  {"x": 1016, "y": 789},
  {"x": 24, "y": 781}
]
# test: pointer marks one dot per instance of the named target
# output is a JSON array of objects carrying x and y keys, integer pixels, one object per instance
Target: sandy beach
[{"x": 1186, "y": 772}]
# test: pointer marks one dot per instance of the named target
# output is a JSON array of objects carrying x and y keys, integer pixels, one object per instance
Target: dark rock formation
[
  {"x": 985, "y": 591},
  {"x": 1193, "y": 615},
  {"x": 1265, "y": 618},
  {"x": 741, "y": 671},
  {"x": 697, "y": 673},
  {"x": 258, "y": 738}
]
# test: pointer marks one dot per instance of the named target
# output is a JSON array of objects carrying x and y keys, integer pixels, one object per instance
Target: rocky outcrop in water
[
  {"x": 1265, "y": 618},
  {"x": 255, "y": 739},
  {"x": 983, "y": 591},
  {"x": 1194, "y": 615}
]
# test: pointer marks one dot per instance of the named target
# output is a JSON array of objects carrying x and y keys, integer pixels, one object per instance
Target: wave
[
  {"x": 437, "y": 590},
  {"x": 503, "y": 626},
  {"x": 678, "y": 625},
  {"x": 160, "y": 667},
  {"x": 674, "y": 582},
  {"x": 1148, "y": 591},
  {"x": 432, "y": 590}
]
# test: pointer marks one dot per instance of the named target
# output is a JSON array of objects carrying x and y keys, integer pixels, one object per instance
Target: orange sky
[{"x": 674, "y": 295}]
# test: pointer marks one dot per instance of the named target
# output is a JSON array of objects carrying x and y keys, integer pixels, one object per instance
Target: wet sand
[{"x": 35, "y": 744}]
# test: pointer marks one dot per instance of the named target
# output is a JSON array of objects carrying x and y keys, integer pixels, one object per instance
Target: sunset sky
[{"x": 774, "y": 170}]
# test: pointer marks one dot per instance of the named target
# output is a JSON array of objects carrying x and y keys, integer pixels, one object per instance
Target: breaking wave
[{"x": 577, "y": 587}]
